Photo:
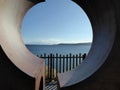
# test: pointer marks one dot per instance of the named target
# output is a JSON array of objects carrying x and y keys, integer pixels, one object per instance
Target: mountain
[
  {"x": 75, "y": 43},
  {"x": 88, "y": 43}
]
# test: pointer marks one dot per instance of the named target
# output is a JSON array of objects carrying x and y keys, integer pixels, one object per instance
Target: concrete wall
[
  {"x": 11, "y": 78},
  {"x": 11, "y": 15},
  {"x": 108, "y": 76},
  {"x": 105, "y": 19}
]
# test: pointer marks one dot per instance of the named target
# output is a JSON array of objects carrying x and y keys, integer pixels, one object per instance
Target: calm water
[{"x": 60, "y": 49}]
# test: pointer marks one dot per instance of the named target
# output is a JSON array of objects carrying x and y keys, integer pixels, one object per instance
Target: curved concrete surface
[
  {"x": 104, "y": 16},
  {"x": 103, "y": 21},
  {"x": 11, "y": 15}
]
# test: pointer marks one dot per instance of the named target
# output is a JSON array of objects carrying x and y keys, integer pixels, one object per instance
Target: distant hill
[
  {"x": 89, "y": 43},
  {"x": 74, "y": 43}
]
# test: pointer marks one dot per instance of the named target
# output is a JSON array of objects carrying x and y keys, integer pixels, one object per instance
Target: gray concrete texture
[
  {"x": 105, "y": 17},
  {"x": 100, "y": 71}
]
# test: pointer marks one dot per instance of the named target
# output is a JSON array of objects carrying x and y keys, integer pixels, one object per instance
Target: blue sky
[{"x": 56, "y": 21}]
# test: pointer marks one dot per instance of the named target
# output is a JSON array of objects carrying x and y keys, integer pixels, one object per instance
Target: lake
[
  {"x": 62, "y": 49},
  {"x": 60, "y": 64}
]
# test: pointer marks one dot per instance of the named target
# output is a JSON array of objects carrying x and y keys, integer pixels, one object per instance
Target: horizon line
[{"x": 57, "y": 43}]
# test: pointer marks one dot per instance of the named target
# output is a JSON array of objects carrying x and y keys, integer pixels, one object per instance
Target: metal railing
[{"x": 57, "y": 63}]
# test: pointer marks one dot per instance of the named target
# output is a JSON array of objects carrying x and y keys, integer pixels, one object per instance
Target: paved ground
[{"x": 51, "y": 86}]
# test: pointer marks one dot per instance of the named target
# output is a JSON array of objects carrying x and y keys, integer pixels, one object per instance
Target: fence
[{"x": 57, "y": 63}]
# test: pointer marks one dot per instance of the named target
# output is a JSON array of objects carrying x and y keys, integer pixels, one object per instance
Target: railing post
[
  {"x": 73, "y": 61},
  {"x": 63, "y": 63},
  {"x": 76, "y": 60},
  {"x": 70, "y": 61},
  {"x": 56, "y": 64},
  {"x": 51, "y": 67},
  {"x": 67, "y": 64},
  {"x": 53, "y": 61},
  {"x": 48, "y": 67},
  {"x": 46, "y": 76},
  {"x": 60, "y": 64},
  {"x": 80, "y": 58},
  {"x": 41, "y": 56},
  {"x": 83, "y": 56}
]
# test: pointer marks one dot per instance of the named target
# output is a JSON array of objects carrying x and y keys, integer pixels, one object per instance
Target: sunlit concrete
[
  {"x": 105, "y": 19},
  {"x": 11, "y": 15}
]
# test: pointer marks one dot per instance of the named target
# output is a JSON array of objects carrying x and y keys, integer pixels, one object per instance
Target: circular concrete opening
[
  {"x": 104, "y": 28},
  {"x": 57, "y": 28}
]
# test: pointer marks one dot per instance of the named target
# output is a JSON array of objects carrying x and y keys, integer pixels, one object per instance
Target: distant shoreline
[
  {"x": 74, "y": 43},
  {"x": 89, "y": 43}
]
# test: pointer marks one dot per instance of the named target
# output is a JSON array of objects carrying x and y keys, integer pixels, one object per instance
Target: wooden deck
[{"x": 51, "y": 86}]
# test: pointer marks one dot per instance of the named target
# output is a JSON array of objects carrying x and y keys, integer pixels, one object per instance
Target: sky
[{"x": 54, "y": 22}]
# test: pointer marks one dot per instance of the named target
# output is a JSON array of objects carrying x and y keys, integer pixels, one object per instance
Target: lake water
[
  {"x": 60, "y": 65},
  {"x": 60, "y": 49}
]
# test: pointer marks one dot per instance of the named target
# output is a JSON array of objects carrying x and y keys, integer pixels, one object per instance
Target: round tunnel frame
[
  {"x": 103, "y": 22},
  {"x": 104, "y": 31}
]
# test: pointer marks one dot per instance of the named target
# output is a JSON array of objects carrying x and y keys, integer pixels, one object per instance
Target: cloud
[
  {"x": 44, "y": 41},
  {"x": 51, "y": 41}
]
